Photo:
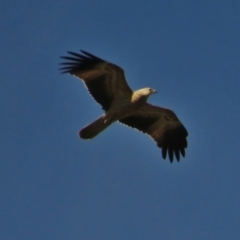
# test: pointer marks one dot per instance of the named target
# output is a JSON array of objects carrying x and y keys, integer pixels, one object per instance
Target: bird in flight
[{"x": 107, "y": 84}]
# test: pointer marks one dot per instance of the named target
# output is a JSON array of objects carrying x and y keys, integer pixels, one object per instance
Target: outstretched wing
[
  {"x": 163, "y": 126},
  {"x": 104, "y": 80}
]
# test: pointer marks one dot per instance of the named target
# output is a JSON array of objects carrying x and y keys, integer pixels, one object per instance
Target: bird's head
[
  {"x": 147, "y": 91},
  {"x": 142, "y": 94}
]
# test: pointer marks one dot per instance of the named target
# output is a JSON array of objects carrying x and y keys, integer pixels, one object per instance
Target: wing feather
[
  {"x": 104, "y": 81},
  {"x": 163, "y": 126}
]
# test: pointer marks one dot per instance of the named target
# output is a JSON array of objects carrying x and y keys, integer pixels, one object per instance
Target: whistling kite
[{"x": 107, "y": 84}]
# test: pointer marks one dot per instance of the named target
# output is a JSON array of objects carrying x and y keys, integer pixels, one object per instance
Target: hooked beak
[{"x": 154, "y": 91}]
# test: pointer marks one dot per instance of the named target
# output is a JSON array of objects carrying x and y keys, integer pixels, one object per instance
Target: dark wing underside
[
  {"x": 104, "y": 81},
  {"x": 163, "y": 126}
]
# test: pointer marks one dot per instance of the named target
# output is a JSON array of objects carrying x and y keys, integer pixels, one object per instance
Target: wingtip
[
  {"x": 170, "y": 154},
  {"x": 64, "y": 70},
  {"x": 173, "y": 154},
  {"x": 91, "y": 55},
  {"x": 86, "y": 53},
  {"x": 182, "y": 150},
  {"x": 177, "y": 155},
  {"x": 164, "y": 153}
]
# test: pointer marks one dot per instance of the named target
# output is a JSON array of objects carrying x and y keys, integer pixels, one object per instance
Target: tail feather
[{"x": 93, "y": 129}]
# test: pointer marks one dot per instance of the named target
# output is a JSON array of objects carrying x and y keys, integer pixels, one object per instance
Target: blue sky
[{"x": 117, "y": 186}]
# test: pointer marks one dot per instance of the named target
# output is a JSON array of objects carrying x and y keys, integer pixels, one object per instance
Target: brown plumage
[{"x": 107, "y": 84}]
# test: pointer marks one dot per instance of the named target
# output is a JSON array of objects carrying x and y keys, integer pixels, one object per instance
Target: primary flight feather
[{"x": 107, "y": 84}]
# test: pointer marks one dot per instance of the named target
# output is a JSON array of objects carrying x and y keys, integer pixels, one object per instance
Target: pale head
[
  {"x": 142, "y": 95},
  {"x": 147, "y": 91}
]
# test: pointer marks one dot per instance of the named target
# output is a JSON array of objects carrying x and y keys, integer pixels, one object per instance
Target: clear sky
[{"x": 117, "y": 186}]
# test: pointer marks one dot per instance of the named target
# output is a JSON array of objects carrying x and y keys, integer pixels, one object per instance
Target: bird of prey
[{"x": 107, "y": 85}]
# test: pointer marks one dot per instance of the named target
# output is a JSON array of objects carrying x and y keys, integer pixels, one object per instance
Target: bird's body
[
  {"x": 106, "y": 83},
  {"x": 122, "y": 107}
]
